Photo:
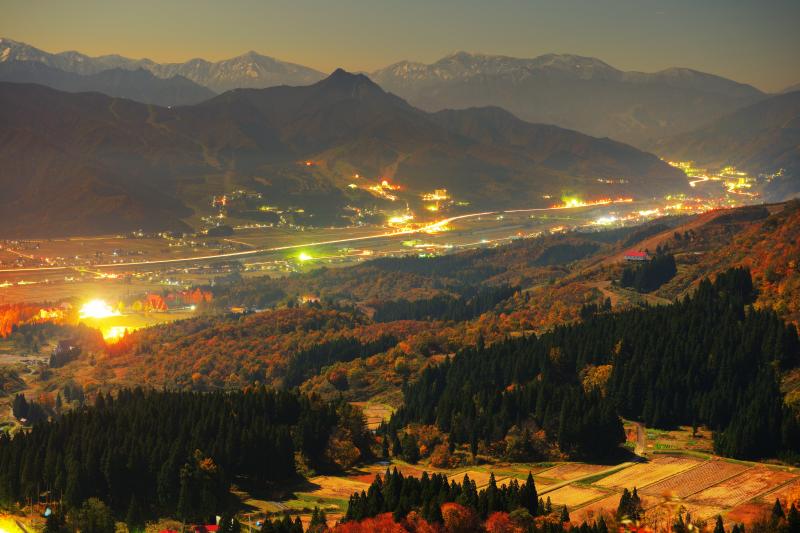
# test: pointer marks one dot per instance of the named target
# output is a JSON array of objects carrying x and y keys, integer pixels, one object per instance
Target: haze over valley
[{"x": 316, "y": 288}]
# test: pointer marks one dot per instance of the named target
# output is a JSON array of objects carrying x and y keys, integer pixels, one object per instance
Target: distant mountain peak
[
  {"x": 249, "y": 70},
  {"x": 463, "y": 65},
  {"x": 342, "y": 75},
  {"x": 350, "y": 84}
]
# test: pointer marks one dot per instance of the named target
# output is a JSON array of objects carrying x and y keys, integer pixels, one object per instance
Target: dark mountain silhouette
[
  {"x": 139, "y": 85},
  {"x": 90, "y": 163}
]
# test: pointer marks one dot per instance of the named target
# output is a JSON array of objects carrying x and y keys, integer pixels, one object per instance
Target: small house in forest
[{"x": 635, "y": 255}]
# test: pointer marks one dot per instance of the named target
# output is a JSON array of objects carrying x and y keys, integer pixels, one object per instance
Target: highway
[{"x": 428, "y": 228}]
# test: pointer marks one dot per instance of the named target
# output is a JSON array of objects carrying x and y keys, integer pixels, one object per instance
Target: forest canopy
[{"x": 696, "y": 361}]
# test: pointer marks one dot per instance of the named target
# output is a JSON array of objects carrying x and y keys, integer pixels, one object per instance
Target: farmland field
[
  {"x": 573, "y": 495},
  {"x": 790, "y": 491},
  {"x": 593, "y": 511},
  {"x": 340, "y": 488},
  {"x": 568, "y": 471},
  {"x": 742, "y": 487},
  {"x": 703, "y": 512},
  {"x": 680, "y": 439},
  {"x": 667, "y": 484},
  {"x": 644, "y": 474},
  {"x": 695, "y": 479}
]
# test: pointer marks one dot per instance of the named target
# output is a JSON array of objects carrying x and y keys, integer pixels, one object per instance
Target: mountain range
[
  {"x": 87, "y": 162},
  {"x": 570, "y": 91},
  {"x": 761, "y": 138},
  {"x": 581, "y": 93},
  {"x": 140, "y": 84},
  {"x": 247, "y": 70}
]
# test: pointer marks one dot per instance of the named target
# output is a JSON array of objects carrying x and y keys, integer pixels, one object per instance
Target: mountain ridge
[
  {"x": 158, "y": 165},
  {"x": 140, "y": 84},
  {"x": 571, "y": 91},
  {"x": 568, "y": 90},
  {"x": 246, "y": 70}
]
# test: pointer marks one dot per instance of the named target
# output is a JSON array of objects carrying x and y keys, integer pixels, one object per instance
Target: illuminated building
[
  {"x": 635, "y": 255},
  {"x": 436, "y": 195}
]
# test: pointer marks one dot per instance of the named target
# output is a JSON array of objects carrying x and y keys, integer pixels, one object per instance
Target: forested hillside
[
  {"x": 156, "y": 454},
  {"x": 708, "y": 359},
  {"x": 768, "y": 246},
  {"x": 213, "y": 352},
  {"x": 517, "y": 264},
  {"x": 450, "y": 300}
]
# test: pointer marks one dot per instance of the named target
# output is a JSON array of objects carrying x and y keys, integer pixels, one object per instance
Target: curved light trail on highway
[{"x": 432, "y": 227}]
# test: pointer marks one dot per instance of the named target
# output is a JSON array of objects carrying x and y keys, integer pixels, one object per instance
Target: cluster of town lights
[{"x": 97, "y": 309}]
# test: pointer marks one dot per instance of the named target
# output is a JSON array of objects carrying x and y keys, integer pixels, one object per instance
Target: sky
[{"x": 752, "y": 41}]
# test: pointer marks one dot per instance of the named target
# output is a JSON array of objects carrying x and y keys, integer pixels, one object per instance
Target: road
[
  {"x": 428, "y": 228},
  {"x": 641, "y": 440}
]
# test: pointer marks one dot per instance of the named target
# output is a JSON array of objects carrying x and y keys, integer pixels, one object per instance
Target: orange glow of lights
[
  {"x": 97, "y": 309},
  {"x": 569, "y": 203},
  {"x": 115, "y": 333},
  {"x": 386, "y": 185}
]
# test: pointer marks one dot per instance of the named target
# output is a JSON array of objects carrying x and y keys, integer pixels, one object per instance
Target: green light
[{"x": 304, "y": 257}]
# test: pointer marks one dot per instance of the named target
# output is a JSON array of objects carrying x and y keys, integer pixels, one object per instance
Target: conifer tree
[
  {"x": 134, "y": 518},
  {"x": 777, "y": 511},
  {"x": 719, "y": 527}
]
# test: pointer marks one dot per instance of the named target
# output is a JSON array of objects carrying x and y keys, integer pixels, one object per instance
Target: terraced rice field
[
  {"x": 644, "y": 474},
  {"x": 574, "y": 495},
  {"x": 742, "y": 487},
  {"x": 694, "y": 479},
  {"x": 788, "y": 492},
  {"x": 591, "y": 512},
  {"x": 703, "y": 512},
  {"x": 568, "y": 471}
]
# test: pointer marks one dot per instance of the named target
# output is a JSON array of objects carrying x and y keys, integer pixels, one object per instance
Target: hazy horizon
[{"x": 746, "y": 42}]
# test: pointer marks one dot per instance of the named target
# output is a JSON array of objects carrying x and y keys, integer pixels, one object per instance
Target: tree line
[
  {"x": 158, "y": 453},
  {"x": 398, "y": 494}
]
